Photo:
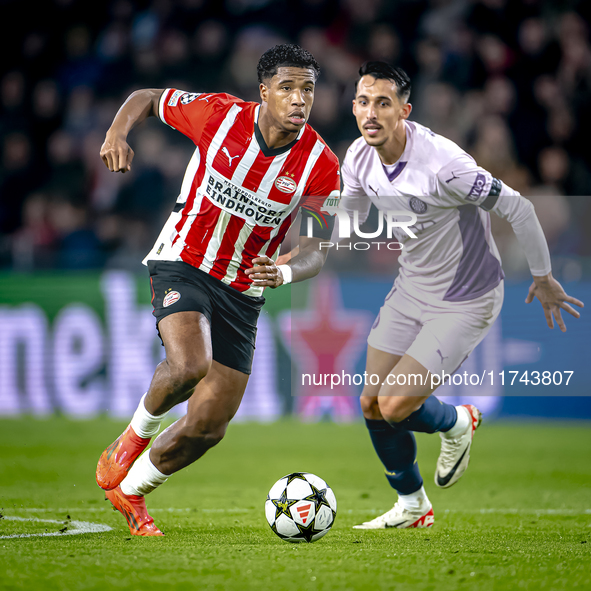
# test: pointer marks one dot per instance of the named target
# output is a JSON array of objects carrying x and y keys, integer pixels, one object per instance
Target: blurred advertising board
[{"x": 83, "y": 344}]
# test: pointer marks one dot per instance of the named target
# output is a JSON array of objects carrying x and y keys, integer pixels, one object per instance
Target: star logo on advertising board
[{"x": 326, "y": 339}]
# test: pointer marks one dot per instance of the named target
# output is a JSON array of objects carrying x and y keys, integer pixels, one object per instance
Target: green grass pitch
[{"x": 520, "y": 518}]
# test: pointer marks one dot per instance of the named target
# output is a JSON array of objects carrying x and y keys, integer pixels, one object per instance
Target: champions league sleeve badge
[{"x": 189, "y": 97}]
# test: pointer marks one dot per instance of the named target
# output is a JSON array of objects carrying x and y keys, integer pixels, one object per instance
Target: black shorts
[{"x": 180, "y": 287}]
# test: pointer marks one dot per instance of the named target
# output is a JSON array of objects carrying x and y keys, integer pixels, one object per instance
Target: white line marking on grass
[
  {"x": 59, "y": 510},
  {"x": 494, "y": 510},
  {"x": 74, "y": 527},
  {"x": 155, "y": 509}
]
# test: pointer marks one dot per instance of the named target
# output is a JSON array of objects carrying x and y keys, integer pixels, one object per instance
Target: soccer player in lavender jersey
[
  {"x": 449, "y": 290},
  {"x": 254, "y": 166}
]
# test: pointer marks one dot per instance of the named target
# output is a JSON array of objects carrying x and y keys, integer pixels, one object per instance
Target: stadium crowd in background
[{"x": 509, "y": 81}]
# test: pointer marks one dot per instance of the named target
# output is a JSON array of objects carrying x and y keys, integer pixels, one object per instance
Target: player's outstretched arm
[
  {"x": 115, "y": 151},
  {"x": 306, "y": 264},
  {"x": 461, "y": 181},
  {"x": 521, "y": 214},
  {"x": 553, "y": 298}
]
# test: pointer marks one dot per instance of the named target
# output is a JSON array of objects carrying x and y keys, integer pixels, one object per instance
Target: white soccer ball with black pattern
[{"x": 301, "y": 507}]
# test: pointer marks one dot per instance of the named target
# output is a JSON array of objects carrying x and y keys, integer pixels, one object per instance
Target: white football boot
[
  {"x": 401, "y": 518},
  {"x": 455, "y": 452}
]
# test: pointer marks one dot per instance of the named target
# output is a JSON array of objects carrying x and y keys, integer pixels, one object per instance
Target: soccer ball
[{"x": 301, "y": 507}]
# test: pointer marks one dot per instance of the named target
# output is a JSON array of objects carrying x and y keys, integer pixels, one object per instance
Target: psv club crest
[
  {"x": 285, "y": 184},
  {"x": 171, "y": 298}
]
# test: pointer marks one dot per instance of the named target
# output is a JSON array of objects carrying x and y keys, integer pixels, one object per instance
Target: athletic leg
[
  {"x": 187, "y": 341},
  {"x": 396, "y": 448},
  {"x": 445, "y": 340},
  {"x": 215, "y": 389},
  {"x": 405, "y": 399},
  {"x": 411, "y": 406},
  {"x": 212, "y": 406}
]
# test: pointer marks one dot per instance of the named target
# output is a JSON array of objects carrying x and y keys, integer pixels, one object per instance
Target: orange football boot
[
  {"x": 133, "y": 508},
  {"x": 117, "y": 459}
]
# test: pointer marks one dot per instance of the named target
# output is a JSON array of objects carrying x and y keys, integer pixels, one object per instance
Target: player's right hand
[
  {"x": 116, "y": 154},
  {"x": 553, "y": 299},
  {"x": 265, "y": 273}
]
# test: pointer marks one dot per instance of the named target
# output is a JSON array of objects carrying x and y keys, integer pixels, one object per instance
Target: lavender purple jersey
[{"x": 454, "y": 257}]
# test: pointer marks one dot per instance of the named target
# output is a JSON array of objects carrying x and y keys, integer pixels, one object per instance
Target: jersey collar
[
  {"x": 272, "y": 152},
  {"x": 401, "y": 163}
]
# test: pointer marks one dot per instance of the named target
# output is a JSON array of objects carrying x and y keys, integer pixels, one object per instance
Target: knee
[
  {"x": 396, "y": 409},
  {"x": 370, "y": 407},
  {"x": 185, "y": 375}
]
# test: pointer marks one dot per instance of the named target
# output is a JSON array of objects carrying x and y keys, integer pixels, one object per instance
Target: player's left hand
[
  {"x": 265, "y": 273},
  {"x": 553, "y": 298}
]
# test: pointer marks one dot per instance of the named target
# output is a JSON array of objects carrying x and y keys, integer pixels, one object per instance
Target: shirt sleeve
[
  {"x": 351, "y": 184},
  {"x": 188, "y": 112},
  {"x": 322, "y": 197},
  {"x": 353, "y": 199},
  {"x": 520, "y": 213},
  {"x": 463, "y": 182}
]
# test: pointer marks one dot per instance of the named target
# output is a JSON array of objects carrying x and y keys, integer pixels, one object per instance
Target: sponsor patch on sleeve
[
  {"x": 331, "y": 202},
  {"x": 477, "y": 188},
  {"x": 174, "y": 99}
]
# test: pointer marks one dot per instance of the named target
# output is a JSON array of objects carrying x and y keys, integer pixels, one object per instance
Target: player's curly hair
[
  {"x": 384, "y": 71},
  {"x": 286, "y": 55}
]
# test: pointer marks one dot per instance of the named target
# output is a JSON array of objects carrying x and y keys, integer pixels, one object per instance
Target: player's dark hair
[
  {"x": 286, "y": 55},
  {"x": 384, "y": 71}
]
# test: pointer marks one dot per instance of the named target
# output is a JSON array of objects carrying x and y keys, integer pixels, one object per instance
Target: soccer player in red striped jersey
[{"x": 254, "y": 166}]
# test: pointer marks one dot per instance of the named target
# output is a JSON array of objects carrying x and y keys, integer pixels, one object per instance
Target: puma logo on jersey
[
  {"x": 372, "y": 189},
  {"x": 230, "y": 158},
  {"x": 441, "y": 355},
  {"x": 453, "y": 176}
]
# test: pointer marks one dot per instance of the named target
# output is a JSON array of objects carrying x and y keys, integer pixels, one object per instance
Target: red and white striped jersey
[{"x": 238, "y": 197}]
